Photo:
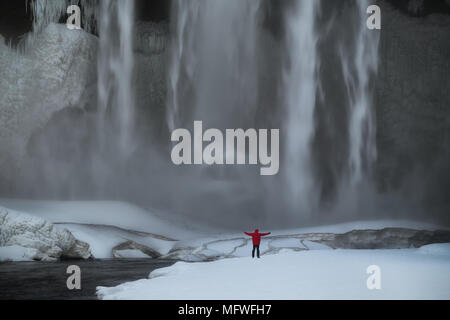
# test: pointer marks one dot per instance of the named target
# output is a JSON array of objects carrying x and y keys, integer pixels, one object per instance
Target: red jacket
[{"x": 256, "y": 236}]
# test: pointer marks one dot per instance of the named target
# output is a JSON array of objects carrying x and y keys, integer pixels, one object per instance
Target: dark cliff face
[
  {"x": 413, "y": 108},
  {"x": 15, "y": 20},
  {"x": 421, "y": 8}
]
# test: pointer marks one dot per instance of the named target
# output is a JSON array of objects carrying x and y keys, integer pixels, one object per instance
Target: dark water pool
[{"x": 47, "y": 280}]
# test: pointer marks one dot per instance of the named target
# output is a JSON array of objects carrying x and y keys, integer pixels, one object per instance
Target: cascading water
[
  {"x": 299, "y": 90},
  {"x": 213, "y": 65},
  {"x": 358, "y": 67},
  {"x": 214, "y": 76},
  {"x": 359, "y": 63},
  {"x": 234, "y": 64},
  {"x": 115, "y": 69},
  {"x": 354, "y": 53}
]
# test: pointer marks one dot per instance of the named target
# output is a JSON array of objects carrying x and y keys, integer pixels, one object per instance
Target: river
[{"x": 47, "y": 280}]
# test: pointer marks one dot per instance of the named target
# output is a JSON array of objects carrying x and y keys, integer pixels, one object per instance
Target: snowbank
[
  {"x": 316, "y": 274},
  {"x": 113, "y": 229},
  {"x": 109, "y": 213},
  {"x": 436, "y": 249},
  {"x": 106, "y": 241},
  {"x": 20, "y": 232}
]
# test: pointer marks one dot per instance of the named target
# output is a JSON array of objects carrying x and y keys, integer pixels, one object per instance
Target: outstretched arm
[
  {"x": 265, "y": 234},
  {"x": 249, "y": 234}
]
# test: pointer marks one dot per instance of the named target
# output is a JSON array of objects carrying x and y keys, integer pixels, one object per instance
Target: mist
[{"x": 313, "y": 70}]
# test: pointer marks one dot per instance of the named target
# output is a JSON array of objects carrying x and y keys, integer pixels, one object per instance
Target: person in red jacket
[{"x": 256, "y": 238}]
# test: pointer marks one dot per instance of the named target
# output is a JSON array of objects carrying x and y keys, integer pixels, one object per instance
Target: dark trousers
[{"x": 255, "y": 246}]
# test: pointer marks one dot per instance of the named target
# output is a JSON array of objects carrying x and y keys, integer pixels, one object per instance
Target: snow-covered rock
[
  {"x": 132, "y": 248},
  {"x": 46, "y": 241},
  {"x": 111, "y": 226},
  {"x": 106, "y": 241},
  {"x": 388, "y": 238},
  {"x": 130, "y": 254}
]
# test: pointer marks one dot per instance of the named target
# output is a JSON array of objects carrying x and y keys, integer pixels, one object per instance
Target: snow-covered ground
[
  {"x": 293, "y": 264},
  {"x": 27, "y": 237},
  {"x": 422, "y": 273}
]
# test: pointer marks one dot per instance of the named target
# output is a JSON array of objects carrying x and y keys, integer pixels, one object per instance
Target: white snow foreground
[
  {"x": 24, "y": 237},
  {"x": 422, "y": 273}
]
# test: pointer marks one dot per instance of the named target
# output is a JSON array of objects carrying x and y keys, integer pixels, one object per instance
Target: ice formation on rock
[{"x": 45, "y": 240}]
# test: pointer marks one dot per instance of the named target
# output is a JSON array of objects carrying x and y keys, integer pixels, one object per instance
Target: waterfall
[
  {"x": 305, "y": 67},
  {"x": 356, "y": 60},
  {"x": 299, "y": 91},
  {"x": 114, "y": 20},
  {"x": 358, "y": 67},
  {"x": 115, "y": 69},
  {"x": 213, "y": 74}
]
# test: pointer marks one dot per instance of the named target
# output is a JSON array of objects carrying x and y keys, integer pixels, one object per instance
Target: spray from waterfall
[
  {"x": 299, "y": 91},
  {"x": 213, "y": 63},
  {"x": 213, "y": 76},
  {"x": 232, "y": 64},
  {"x": 115, "y": 70}
]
